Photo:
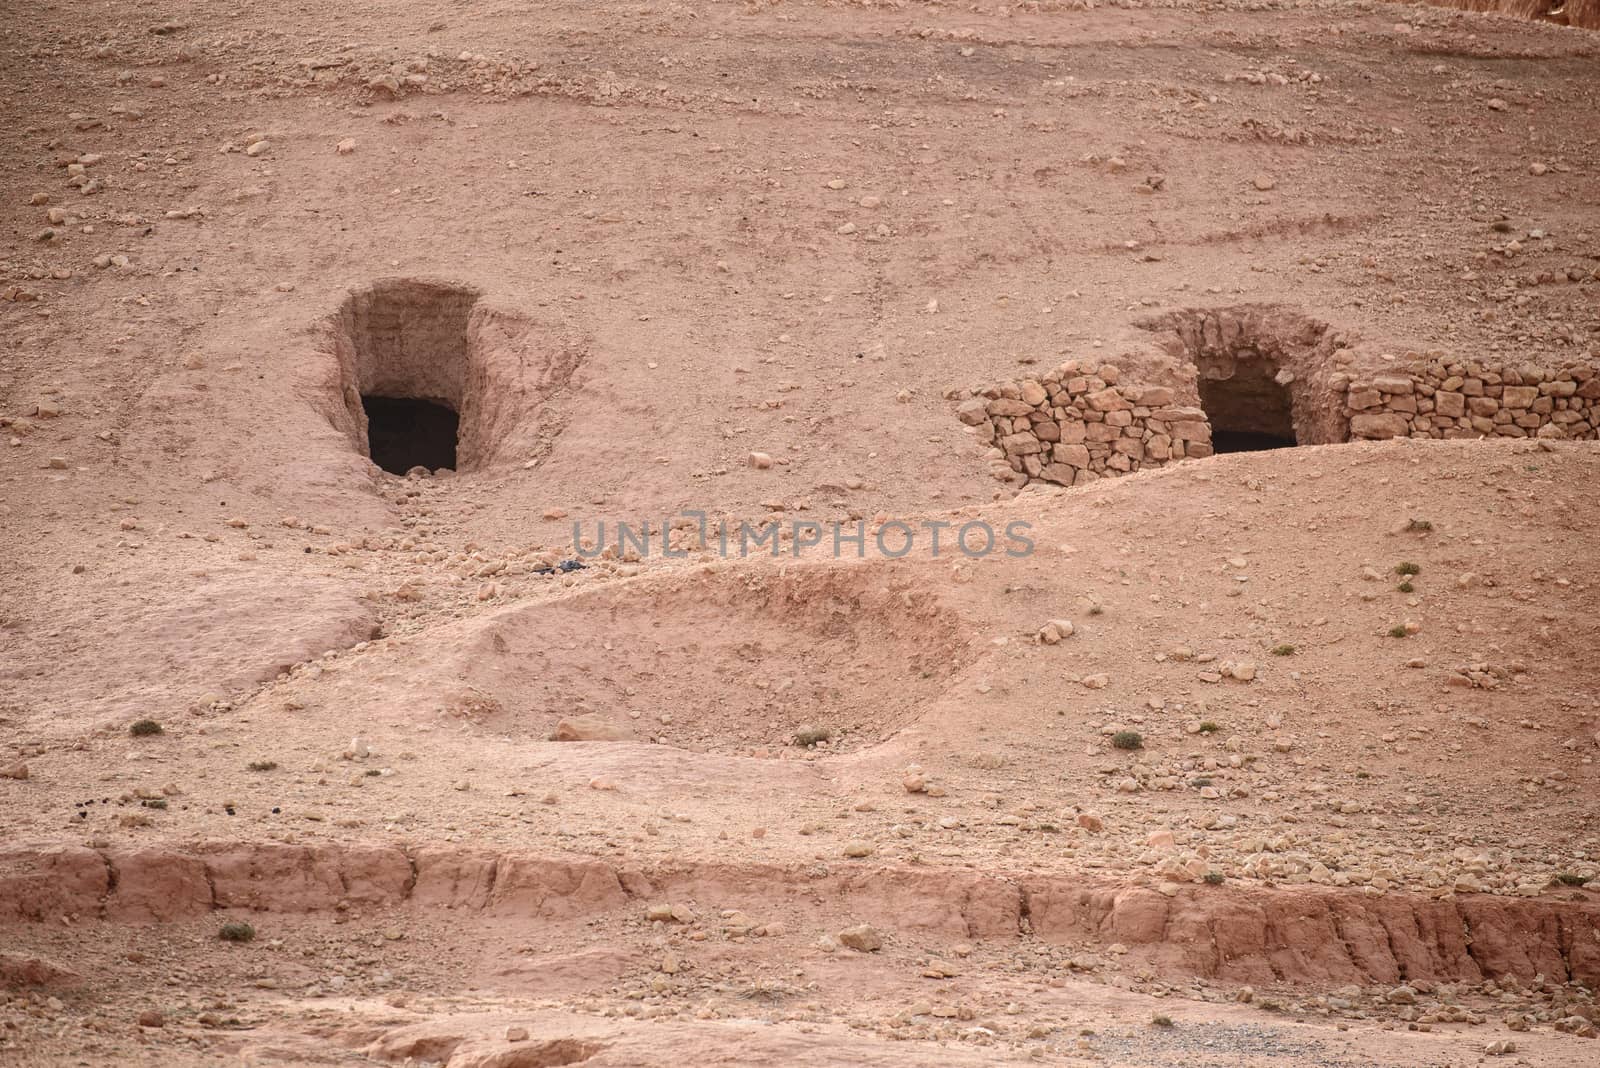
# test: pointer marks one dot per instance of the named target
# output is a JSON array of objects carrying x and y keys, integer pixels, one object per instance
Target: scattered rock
[
  {"x": 1054, "y": 630},
  {"x": 590, "y": 727},
  {"x": 862, "y": 939}
]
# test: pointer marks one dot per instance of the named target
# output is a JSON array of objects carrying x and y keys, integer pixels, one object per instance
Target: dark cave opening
[
  {"x": 1249, "y": 410},
  {"x": 408, "y": 432}
]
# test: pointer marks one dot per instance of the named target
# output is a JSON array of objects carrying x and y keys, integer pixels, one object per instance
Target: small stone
[
  {"x": 1054, "y": 630},
  {"x": 345, "y": 147},
  {"x": 259, "y": 148},
  {"x": 1496, "y": 104},
  {"x": 1090, "y": 822},
  {"x": 516, "y": 1034},
  {"x": 857, "y": 849},
  {"x": 862, "y": 939},
  {"x": 1537, "y": 169},
  {"x": 914, "y": 783},
  {"x": 19, "y": 770},
  {"x": 760, "y": 461},
  {"x": 590, "y": 727},
  {"x": 1264, "y": 182},
  {"x": 152, "y": 1018}
]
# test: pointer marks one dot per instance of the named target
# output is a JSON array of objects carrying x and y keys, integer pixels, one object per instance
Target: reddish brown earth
[{"x": 635, "y": 244}]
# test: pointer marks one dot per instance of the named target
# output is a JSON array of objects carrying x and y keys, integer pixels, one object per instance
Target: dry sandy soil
[{"x": 649, "y": 240}]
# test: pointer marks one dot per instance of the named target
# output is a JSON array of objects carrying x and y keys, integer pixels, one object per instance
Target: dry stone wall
[
  {"x": 1468, "y": 399},
  {"x": 1077, "y": 424}
]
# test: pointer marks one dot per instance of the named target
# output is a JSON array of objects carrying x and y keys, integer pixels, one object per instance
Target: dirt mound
[{"x": 1584, "y": 14}]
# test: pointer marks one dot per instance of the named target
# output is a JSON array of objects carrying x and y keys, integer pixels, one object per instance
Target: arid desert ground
[{"x": 1263, "y": 338}]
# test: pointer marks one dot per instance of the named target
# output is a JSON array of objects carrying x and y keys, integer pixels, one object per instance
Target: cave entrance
[
  {"x": 1266, "y": 374},
  {"x": 1249, "y": 408},
  {"x": 408, "y": 432}
]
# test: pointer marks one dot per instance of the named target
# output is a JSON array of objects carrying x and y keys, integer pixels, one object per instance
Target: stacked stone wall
[
  {"x": 1078, "y": 423},
  {"x": 1469, "y": 399}
]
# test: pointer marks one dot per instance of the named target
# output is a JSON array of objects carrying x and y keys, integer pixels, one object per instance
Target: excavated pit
[
  {"x": 1261, "y": 372},
  {"x": 427, "y": 375},
  {"x": 850, "y": 652}
]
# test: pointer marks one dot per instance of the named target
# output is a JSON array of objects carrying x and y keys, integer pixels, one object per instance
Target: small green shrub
[
  {"x": 1128, "y": 740},
  {"x": 237, "y": 932},
  {"x": 1405, "y": 587},
  {"x": 1407, "y": 568},
  {"x": 1397, "y": 631},
  {"x": 1214, "y": 878},
  {"x": 1161, "y": 1021},
  {"x": 1097, "y": 609},
  {"x": 1568, "y": 878},
  {"x": 144, "y": 728},
  {"x": 262, "y": 765},
  {"x": 1283, "y": 650},
  {"x": 154, "y": 802},
  {"x": 1419, "y": 525},
  {"x": 1210, "y": 727}
]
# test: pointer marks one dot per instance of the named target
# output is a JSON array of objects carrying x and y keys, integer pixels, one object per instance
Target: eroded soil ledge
[{"x": 1245, "y": 934}]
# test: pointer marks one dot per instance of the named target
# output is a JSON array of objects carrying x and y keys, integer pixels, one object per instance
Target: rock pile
[
  {"x": 1077, "y": 424},
  {"x": 1467, "y": 399}
]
